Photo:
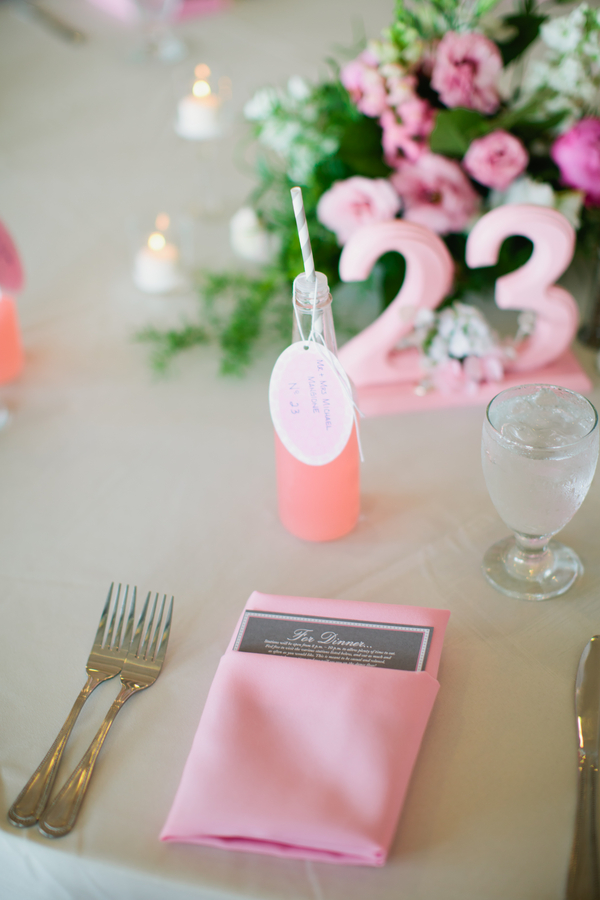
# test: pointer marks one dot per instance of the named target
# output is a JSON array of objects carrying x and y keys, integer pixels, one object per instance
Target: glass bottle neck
[{"x": 323, "y": 322}]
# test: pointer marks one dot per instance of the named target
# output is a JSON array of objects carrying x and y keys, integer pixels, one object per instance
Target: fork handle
[
  {"x": 583, "y": 882},
  {"x": 30, "y": 804},
  {"x": 60, "y": 816}
]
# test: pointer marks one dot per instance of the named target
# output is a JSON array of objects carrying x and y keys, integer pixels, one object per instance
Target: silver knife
[{"x": 583, "y": 882}]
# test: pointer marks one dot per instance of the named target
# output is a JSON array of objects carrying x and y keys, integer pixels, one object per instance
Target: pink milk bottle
[{"x": 317, "y": 502}]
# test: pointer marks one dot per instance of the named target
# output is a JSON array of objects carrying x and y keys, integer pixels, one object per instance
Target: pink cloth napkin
[{"x": 307, "y": 758}]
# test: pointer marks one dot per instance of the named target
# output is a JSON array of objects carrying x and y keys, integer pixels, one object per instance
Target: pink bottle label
[{"x": 310, "y": 406}]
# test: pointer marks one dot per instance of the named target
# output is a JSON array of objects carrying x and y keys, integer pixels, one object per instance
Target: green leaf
[
  {"x": 360, "y": 149},
  {"x": 527, "y": 28},
  {"x": 455, "y": 129},
  {"x": 484, "y": 6}
]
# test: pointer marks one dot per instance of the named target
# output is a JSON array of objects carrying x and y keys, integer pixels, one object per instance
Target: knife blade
[{"x": 583, "y": 881}]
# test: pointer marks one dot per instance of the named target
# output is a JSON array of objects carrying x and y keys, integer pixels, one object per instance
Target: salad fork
[
  {"x": 140, "y": 670},
  {"x": 106, "y": 659}
]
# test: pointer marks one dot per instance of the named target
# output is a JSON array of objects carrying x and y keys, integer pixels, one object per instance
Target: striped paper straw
[{"x": 307, "y": 255}]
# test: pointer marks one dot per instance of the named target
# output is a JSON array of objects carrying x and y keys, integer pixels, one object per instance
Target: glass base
[{"x": 531, "y": 576}]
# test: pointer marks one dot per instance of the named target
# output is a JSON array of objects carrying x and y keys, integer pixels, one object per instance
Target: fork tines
[
  {"x": 149, "y": 648},
  {"x": 112, "y": 636}
]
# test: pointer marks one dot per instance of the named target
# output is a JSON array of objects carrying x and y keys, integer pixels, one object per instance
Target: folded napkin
[{"x": 307, "y": 758}]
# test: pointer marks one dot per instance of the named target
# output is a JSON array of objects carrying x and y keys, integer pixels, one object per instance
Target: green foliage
[
  {"x": 526, "y": 27},
  {"x": 514, "y": 253},
  {"x": 167, "y": 344},
  {"x": 314, "y": 135},
  {"x": 240, "y": 310},
  {"x": 360, "y": 149},
  {"x": 455, "y": 129}
]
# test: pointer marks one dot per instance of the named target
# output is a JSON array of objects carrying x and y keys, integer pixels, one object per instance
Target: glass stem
[{"x": 531, "y": 558}]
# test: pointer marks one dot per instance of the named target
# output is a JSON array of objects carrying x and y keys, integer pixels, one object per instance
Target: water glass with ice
[{"x": 539, "y": 454}]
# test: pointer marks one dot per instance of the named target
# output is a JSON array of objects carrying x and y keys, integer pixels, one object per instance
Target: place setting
[{"x": 339, "y": 711}]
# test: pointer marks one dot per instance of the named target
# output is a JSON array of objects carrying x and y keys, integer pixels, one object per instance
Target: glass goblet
[{"x": 539, "y": 455}]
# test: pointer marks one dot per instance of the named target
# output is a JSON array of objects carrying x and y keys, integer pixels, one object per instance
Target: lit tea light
[
  {"x": 156, "y": 266},
  {"x": 198, "y": 114}
]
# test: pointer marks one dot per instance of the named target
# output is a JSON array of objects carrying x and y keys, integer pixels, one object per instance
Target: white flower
[
  {"x": 569, "y": 203},
  {"x": 298, "y": 88},
  {"x": 261, "y": 105},
  {"x": 249, "y": 239},
  {"x": 565, "y": 33},
  {"x": 459, "y": 345},
  {"x": 280, "y": 136},
  {"x": 302, "y": 162},
  {"x": 524, "y": 190},
  {"x": 383, "y": 51},
  {"x": 461, "y": 331}
]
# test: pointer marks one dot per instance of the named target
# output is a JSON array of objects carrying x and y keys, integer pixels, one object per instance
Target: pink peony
[
  {"x": 408, "y": 138},
  {"x": 436, "y": 193},
  {"x": 496, "y": 160},
  {"x": 365, "y": 85},
  {"x": 358, "y": 201},
  {"x": 466, "y": 71},
  {"x": 577, "y": 155}
]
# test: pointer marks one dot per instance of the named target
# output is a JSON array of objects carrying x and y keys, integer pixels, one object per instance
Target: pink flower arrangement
[
  {"x": 365, "y": 85},
  {"x": 436, "y": 193},
  {"x": 407, "y": 138},
  {"x": 496, "y": 159},
  {"x": 577, "y": 155},
  {"x": 466, "y": 71},
  {"x": 350, "y": 204}
]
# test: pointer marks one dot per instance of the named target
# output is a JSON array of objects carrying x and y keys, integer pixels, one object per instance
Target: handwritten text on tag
[{"x": 310, "y": 409}]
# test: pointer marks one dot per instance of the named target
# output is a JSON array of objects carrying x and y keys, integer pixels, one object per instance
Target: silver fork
[
  {"x": 106, "y": 659},
  {"x": 140, "y": 670}
]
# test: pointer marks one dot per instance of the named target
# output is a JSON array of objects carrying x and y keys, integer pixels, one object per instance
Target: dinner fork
[
  {"x": 140, "y": 670},
  {"x": 106, "y": 659}
]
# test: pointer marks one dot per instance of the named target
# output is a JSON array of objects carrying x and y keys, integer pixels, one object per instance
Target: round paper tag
[
  {"x": 11, "y": 272},
  {"x": 311, "y": 411}
]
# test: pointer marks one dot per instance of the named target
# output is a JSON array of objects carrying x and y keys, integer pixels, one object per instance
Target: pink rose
[
  {"x": 407, "y": 138},
  {"x": 496, "y": 159},
  {"x": 466, "y": 71},
  {"x": 577, "y": 155},
  {"x": 358, "y": 201},
  {"x": 365, "y": 85},
  {"x": 436, "y": 193}
]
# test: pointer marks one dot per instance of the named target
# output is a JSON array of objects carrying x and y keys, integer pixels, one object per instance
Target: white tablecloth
[{"x": 108, "y": 473}]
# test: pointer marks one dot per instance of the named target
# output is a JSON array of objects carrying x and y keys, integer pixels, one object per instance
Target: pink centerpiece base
[{"x": 388, "y": 399}]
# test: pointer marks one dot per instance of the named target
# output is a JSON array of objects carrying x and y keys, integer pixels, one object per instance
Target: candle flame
[
  {"x": 201, "y": 89},
  {"x": 156, "y": 241},
  {"x": 162, "y": 222},
  {"x": 202, "y": 71}
]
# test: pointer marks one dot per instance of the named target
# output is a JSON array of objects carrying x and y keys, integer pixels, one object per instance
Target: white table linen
[{"x": 109, "y": 473}]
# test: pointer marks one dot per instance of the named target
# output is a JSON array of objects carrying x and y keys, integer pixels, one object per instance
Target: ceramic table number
[{"x": 388, "y": 379}]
